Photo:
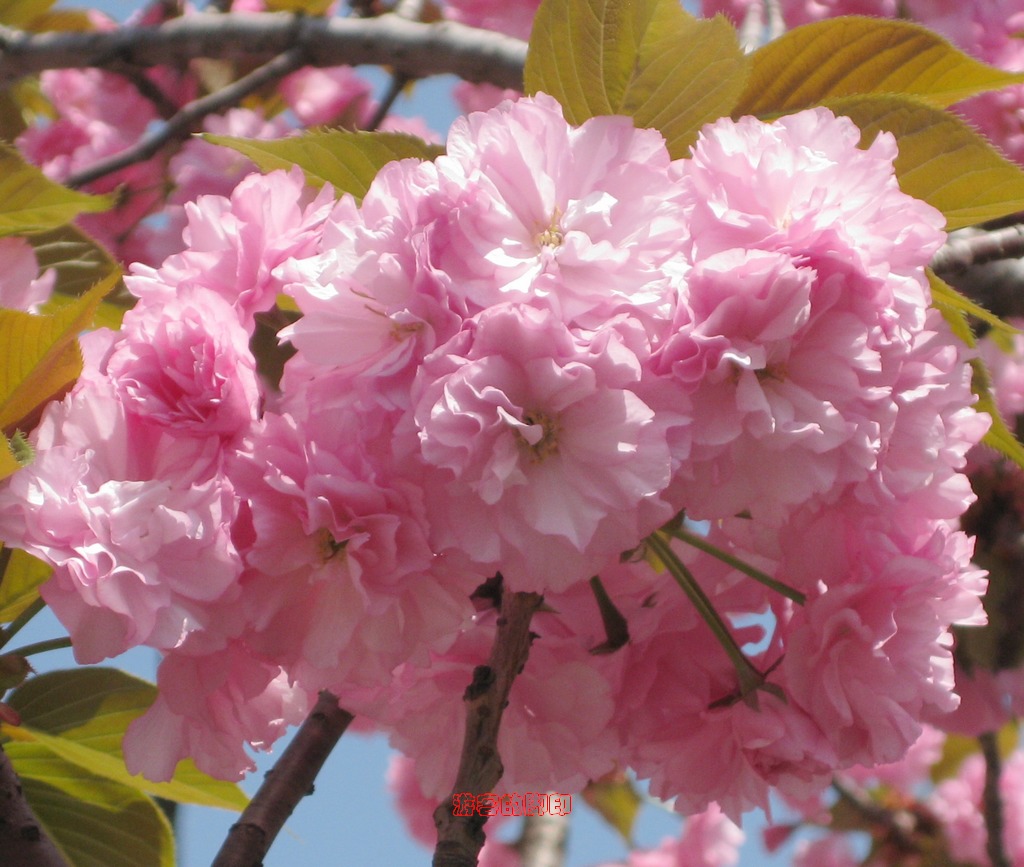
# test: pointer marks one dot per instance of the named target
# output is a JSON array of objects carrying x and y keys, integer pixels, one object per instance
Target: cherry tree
[{"x": 637, "y": 431}]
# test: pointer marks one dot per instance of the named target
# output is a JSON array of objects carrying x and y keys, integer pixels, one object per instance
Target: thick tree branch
[
  {"x": 460, "y": 838},
  {"x": 409, "y": 47},
  {"x": 23, "y": 843},
  {"x": 966, "y": 251},
  {"x": 183, "y": 123},
  {"x": 287, "y": 783}
]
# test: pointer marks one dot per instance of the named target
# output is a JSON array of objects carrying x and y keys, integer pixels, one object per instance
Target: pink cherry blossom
[
  {"x": 22, "y": 287},
  {"x": 186, "y": 365},
  {"x": 577, "y": 219},
  {"x": 234, "y": 245},
  {"x": 531, "y": 431},
  {"x": 136, "y": 522},
  {"x": 207, "y": 707}
]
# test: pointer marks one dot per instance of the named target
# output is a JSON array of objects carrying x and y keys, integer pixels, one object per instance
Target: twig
[
  {"x": 961, "y": 253},
  {"x": 411, "y": 10},
  {"x": 23, "y": 841},
  {"x": 460, "y": 838},
  {"x": 413, "y": 48},
  {"x": 16, "y": 625},
  {"x": 991, "y": 802},
  {"x": 543, "y": 840},
  {"x": 896, "y": 826},
  {"x": 396, "y": 84},
  {"x": 179, "y": 126},
  {"x": 285, "y": 785}
]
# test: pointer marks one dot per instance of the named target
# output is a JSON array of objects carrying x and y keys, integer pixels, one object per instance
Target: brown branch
[
  {"x": 23, "y": 842},
  {"x": 460, "y": 838},
  {"x": 410, "y": 47},
  {"x": 992, "y": 803},
  {"x": 543, "y": 841},
  {"x": 895, "y": 826},
  {"x": 963, "y": 252},
  {"x": 183, "y": 123},
  {"x": 285, "y": 785}
]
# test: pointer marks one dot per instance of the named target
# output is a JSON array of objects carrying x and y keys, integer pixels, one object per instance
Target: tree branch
[
  {"x": 460, "y": 838},
  {"x": 22, "y": 839},
  {"x": 991, "y": 802},
  {"x": 896, "y": 827},
  {"x": 543, "y": 840},
  {"x": 285, "y": 785},
  {"x": 963, "y": 252},
  {"x": 410, "y": 47},
  {"x": 179, "y": 126}
]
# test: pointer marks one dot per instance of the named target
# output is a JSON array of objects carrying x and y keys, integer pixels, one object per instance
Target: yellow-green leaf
[
  {"x": 75, "y": 20},
  {"x": 19, "y": 13},
  {"x": 852, "y": 55},
  {"x": 941, "y": 159},
  {"x": 39, "y": 355},
  {"x": 617, "y": 802},
  {"x": 957, "y": 747},
  {"x": 8, "y": 462},
  {"x": 20, "y": 584},
  {"x": 306, "y": 7},
  {"x": 94, "y": 822},
  {"x": 79, "y": 261},
  {"x": 999, "y": 435},
  {"x": 648, "y": 59},
  {"x": 81, "y": 715},
  {"x": 946, "y": 297},
  {"x": 349, "y": 161},
  {"x": 31, "y": 202}
]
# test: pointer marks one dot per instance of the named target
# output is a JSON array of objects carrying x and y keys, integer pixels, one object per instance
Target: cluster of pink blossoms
[{"x": 523, "y": 359}]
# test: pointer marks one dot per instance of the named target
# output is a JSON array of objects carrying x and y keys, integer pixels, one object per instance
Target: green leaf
[
  {"x": 81, "y": 715},
  {"x": 958, "y": 747},
  {"x": 854, "y": 55},
  {"x": 941, "y": 159},
  {"x": 305, "y": 7},
  {"x": 20, "y": 584},
  {"x": 31, "y": 202},
  {"x": 945, "y": 297},
  {"x": 9, "y": 463},
  {"x": 349, "y": 161},
  {"x": 648, "y": 59},
  {"x": 999, "y": 435},
  {"x": 617, "y": 802},
  {"x": 80, "y": 262},
  {"x": 19, "y": 13},
  {"x": 93, "y": 821},
  {"x": 39, "y": 355}
]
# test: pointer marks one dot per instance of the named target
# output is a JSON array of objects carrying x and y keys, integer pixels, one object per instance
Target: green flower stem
[
  {"x": 750, "y": 678},
  {"x": 43, "y": 646},
  {"x": 16, "y": 625},
  {"x": 761, "y": 577}
]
